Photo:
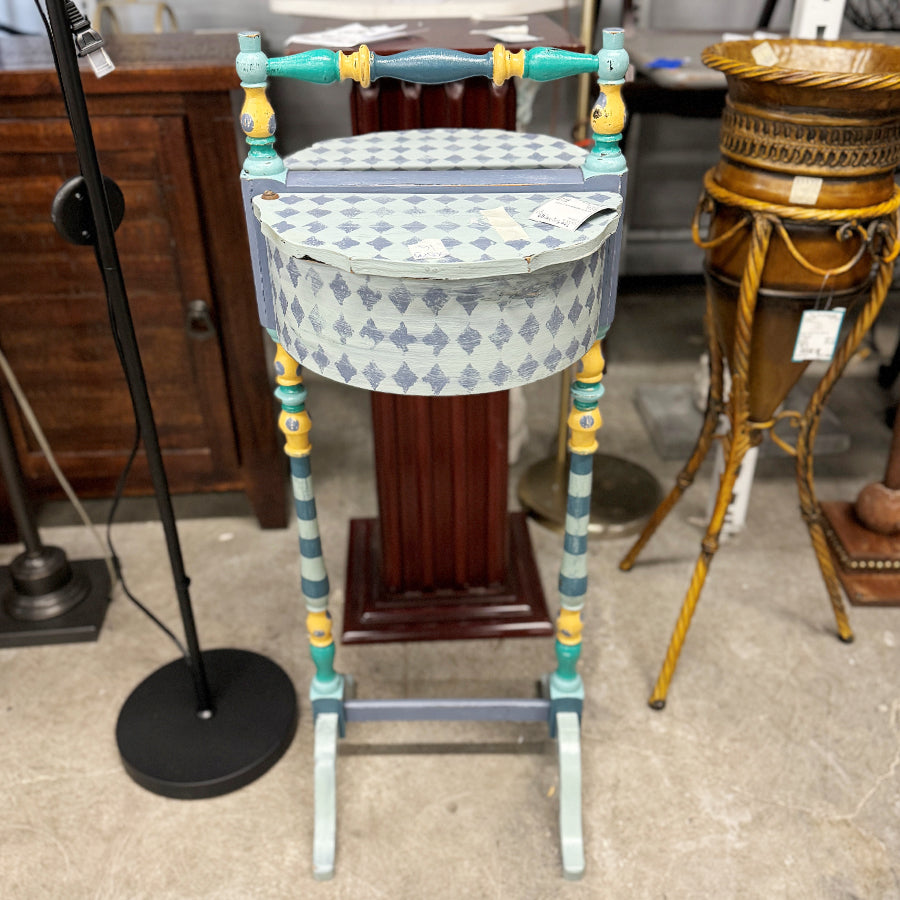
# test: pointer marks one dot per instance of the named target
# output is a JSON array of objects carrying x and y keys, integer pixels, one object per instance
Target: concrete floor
[{"x": 774, "y": 770}]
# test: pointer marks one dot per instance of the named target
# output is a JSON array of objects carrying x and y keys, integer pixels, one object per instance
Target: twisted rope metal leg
[
  {"x": 737, "y": 443},
  {"x": 806, "y": 437}
]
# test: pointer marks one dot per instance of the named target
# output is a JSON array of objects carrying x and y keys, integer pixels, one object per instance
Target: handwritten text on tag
[
  {"x": 568, "y": 212},
  {"x": 818, "y": 334},
  {"x": 430, "y": 248}
]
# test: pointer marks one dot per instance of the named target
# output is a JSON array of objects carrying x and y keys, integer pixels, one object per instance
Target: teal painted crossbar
[{"x": 432, "y": 65}]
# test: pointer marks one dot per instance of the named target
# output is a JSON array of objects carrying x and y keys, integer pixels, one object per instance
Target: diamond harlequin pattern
[
  {"x": 438, "y": 148},
  {"x": 432, "y": 338},
  {"x": 419, "y": 293},
  {"x": 372, "y": 233}
]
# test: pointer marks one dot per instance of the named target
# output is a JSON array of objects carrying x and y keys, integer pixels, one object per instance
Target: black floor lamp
[{"x": 216, "y": 720}]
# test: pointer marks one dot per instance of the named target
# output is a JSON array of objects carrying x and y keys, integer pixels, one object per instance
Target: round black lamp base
[{"x": 167, "y": 748}]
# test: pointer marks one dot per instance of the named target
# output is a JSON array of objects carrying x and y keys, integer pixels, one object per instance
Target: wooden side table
[{"x": 433, "y": 283}]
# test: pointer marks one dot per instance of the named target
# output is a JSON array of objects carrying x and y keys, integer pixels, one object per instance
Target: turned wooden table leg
[
  {"x": 566, "y": 685},
  {"x": 327, "y": 689}
]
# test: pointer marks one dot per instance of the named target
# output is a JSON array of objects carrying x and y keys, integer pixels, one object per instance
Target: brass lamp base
[{"x": 623, "y": 497}]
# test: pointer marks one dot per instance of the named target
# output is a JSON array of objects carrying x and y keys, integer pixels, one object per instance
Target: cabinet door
[{"x": 54, "y": 326}]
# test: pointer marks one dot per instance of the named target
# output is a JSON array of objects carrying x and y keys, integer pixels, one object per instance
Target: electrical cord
[
  {"x": 43, "y": 443},
  {"x": 116, "y": 560},
  {"x": 81, "y": 26},
  {"x": 110, "y": 557}
]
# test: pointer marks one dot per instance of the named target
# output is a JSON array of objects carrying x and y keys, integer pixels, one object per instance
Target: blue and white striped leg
[
  {"x": 327, "y": 688},
  {"x": 566, "y": 686}
]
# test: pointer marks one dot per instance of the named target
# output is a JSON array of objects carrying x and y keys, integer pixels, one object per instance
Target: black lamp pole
[
  {"x": 217, "y": 720},
  {"x": 110, "y": 269}
]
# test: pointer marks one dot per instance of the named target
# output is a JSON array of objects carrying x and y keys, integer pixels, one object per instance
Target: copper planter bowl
[{"x": 818, "y": 128}]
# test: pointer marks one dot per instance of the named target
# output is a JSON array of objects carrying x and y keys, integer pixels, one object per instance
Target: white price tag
[
  {"x": 805, "y": 190},
  {"x": 430, "y": 248},
  {"x": 764, "y": 55},
  {"x": 568, "y": 211},
  {"x": 818, "y": 333}
]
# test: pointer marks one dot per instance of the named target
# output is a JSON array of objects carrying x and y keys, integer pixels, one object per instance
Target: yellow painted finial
[
  {"x": 584, "y": 420},
  {"x": 296, "y": 426},
  {"x": 507, "y": 64},
  {"x": 287, "y": 369},
  {"x": 592, "y": 365},
  {"x": 568, "y": 627},
  {"x": 318, "y": 626},
  {"x": 356, "y": 66},
  {"x": 294, "y": 420},
  {"x": 257, "y": 115},
  {"x": 584, "y": 425},
  {"x": 608, "y": 114}
]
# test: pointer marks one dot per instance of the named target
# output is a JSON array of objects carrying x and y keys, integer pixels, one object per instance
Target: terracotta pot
[{"x": 807, "y": 124}]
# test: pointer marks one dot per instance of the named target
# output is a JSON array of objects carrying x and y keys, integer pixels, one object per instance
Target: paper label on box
[
  {"x": 504, "y": 224},
  {"x": 764, "y": 55},
  {"x": 430, "y": 248},
  {"x": 805, "y": 190},
  {"x": 818, "y": 333},
  {"x": 568, "y": 211}
]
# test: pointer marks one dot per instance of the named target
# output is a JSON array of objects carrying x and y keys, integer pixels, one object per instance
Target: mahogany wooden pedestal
[
  {"x": 866, "y": 563},
  {"x": 511, "y": 607},
  {"x": 867, "y": 560},
  {"x": 444, "y": 560}
]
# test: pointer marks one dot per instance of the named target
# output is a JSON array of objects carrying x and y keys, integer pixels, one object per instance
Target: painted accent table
[{"x": 435, "y": 281}]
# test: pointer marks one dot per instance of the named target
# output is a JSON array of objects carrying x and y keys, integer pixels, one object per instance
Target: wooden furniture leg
[
  {"x": 325, "y": 799},
  {"x": 714, "y": 409},
  {"x": 566, "y": 685},
  {"x": 568, "y": 743},
  {"x": 327, "y": 689}
]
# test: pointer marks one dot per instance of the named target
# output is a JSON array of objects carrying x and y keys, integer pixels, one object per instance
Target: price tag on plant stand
[{"x": 818, "y": 334}]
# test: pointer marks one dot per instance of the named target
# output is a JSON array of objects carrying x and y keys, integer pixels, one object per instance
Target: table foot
[
  {"x": 325, "y": 796},
  {"x": 568, "y": 739}
]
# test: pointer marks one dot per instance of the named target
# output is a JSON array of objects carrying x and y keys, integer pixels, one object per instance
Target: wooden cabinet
[{"x": 164, "y": 129}]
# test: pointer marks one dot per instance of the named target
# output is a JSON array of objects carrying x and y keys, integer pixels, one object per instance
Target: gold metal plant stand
[{"x": 878, "y": 227}]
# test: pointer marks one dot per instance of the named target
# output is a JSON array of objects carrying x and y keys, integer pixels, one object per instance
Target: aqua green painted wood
[
  {"x": 550, "y": 64},
  {"x": 315, "y": 66}
]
